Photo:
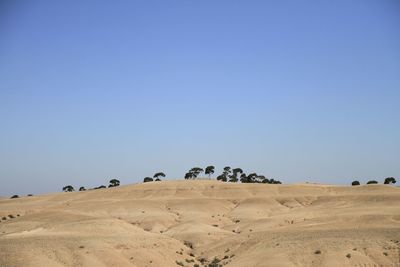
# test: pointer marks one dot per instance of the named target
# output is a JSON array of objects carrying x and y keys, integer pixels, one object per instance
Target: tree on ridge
[
  {"x": 114, "y": 183},
  {"x": 68, "y": 188},
  {"x": 209, "y": 170},
  {"x": 390, "y": 180},
  {"x": 158, "y": 175},
  {"x": 147, "y": 179}
]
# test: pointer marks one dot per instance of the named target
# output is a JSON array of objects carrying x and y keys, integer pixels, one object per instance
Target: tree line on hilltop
[
  {"x": 388, "y": 180},
  {"x": 228, "y": 175}
]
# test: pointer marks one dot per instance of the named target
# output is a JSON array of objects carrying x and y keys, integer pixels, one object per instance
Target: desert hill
[{"x": 184, "y": 223}]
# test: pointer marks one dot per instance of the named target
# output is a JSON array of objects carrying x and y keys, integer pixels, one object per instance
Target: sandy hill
[{"x": 184, "y": 223}]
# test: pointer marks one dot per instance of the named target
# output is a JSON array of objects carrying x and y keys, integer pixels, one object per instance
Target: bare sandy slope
[{"x": 169, "y": 223}]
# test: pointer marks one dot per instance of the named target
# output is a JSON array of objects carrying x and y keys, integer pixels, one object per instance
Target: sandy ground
[{"x": 183, "y": 223}]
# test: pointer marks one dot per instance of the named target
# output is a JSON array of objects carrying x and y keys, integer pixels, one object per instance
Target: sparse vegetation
[
  {"x": 202, "y": 260},
  {"x": 179, "y": 263},
  {"x": 188, "y": 244},
  {"x": 215, "y": 263}
]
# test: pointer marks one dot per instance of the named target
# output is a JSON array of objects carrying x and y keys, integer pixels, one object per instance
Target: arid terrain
[{"x": 184, "y": 223}]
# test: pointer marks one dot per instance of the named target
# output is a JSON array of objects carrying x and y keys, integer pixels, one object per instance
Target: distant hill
[{"x": 203, "y": 222}]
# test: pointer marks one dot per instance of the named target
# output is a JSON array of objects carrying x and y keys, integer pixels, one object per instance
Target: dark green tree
[
  {"x": 82, "y": 188},
  {"x": 263, "y": 179},
  {"x": 68, "y": 188},
  {"x": 158, "y": 175},
  {"x": 355, "y": 183},
  {"x": 227, "y": 171},
  {"x": 234, "y": 177},
  {"x": 372, "y": 182},
  {"x": 114, "y": 183},
  {"x": 196, "y": 171},
  {"x": 390, "y": 180},
  {"x": 252, "y": 178},
  {"x": 188, "y": 175},
  {"x": 209, "y": 170},
  {"x": 147, "y": 179},
  {"x": 243, "y": 178},
  {"x": 273, "y": 181},
  {"x": 222, "y": 178}
]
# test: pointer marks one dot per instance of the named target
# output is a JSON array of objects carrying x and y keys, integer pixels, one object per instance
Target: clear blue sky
[{"x": 294, "y": 90}]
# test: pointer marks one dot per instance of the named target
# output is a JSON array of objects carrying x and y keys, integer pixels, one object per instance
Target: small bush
[
  {"x": 179, "y": 263},
  {"x": 147, "y": 179},
  {"x": 348, "y": 256},
  {"x": 372, "y": 182},
  {"x": 188, "y": 244},
  {"x": 215, "y": 263},
  {"x": 11, "y": 216},
  {"x": 30, "y": 195},
  {"x": 355, "y": 183},
  {"x": 15, "y": 196},
  {"x": 317, "y": 252},
  {"x": 4, "y": 218},
  {"x": 385, "y": 253},
  {"x": 100, "y": 187},
  {"x": 189, "y": 260},
  {"x": 196, "y": 265},
  {"x": 202, "y": 260}
]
